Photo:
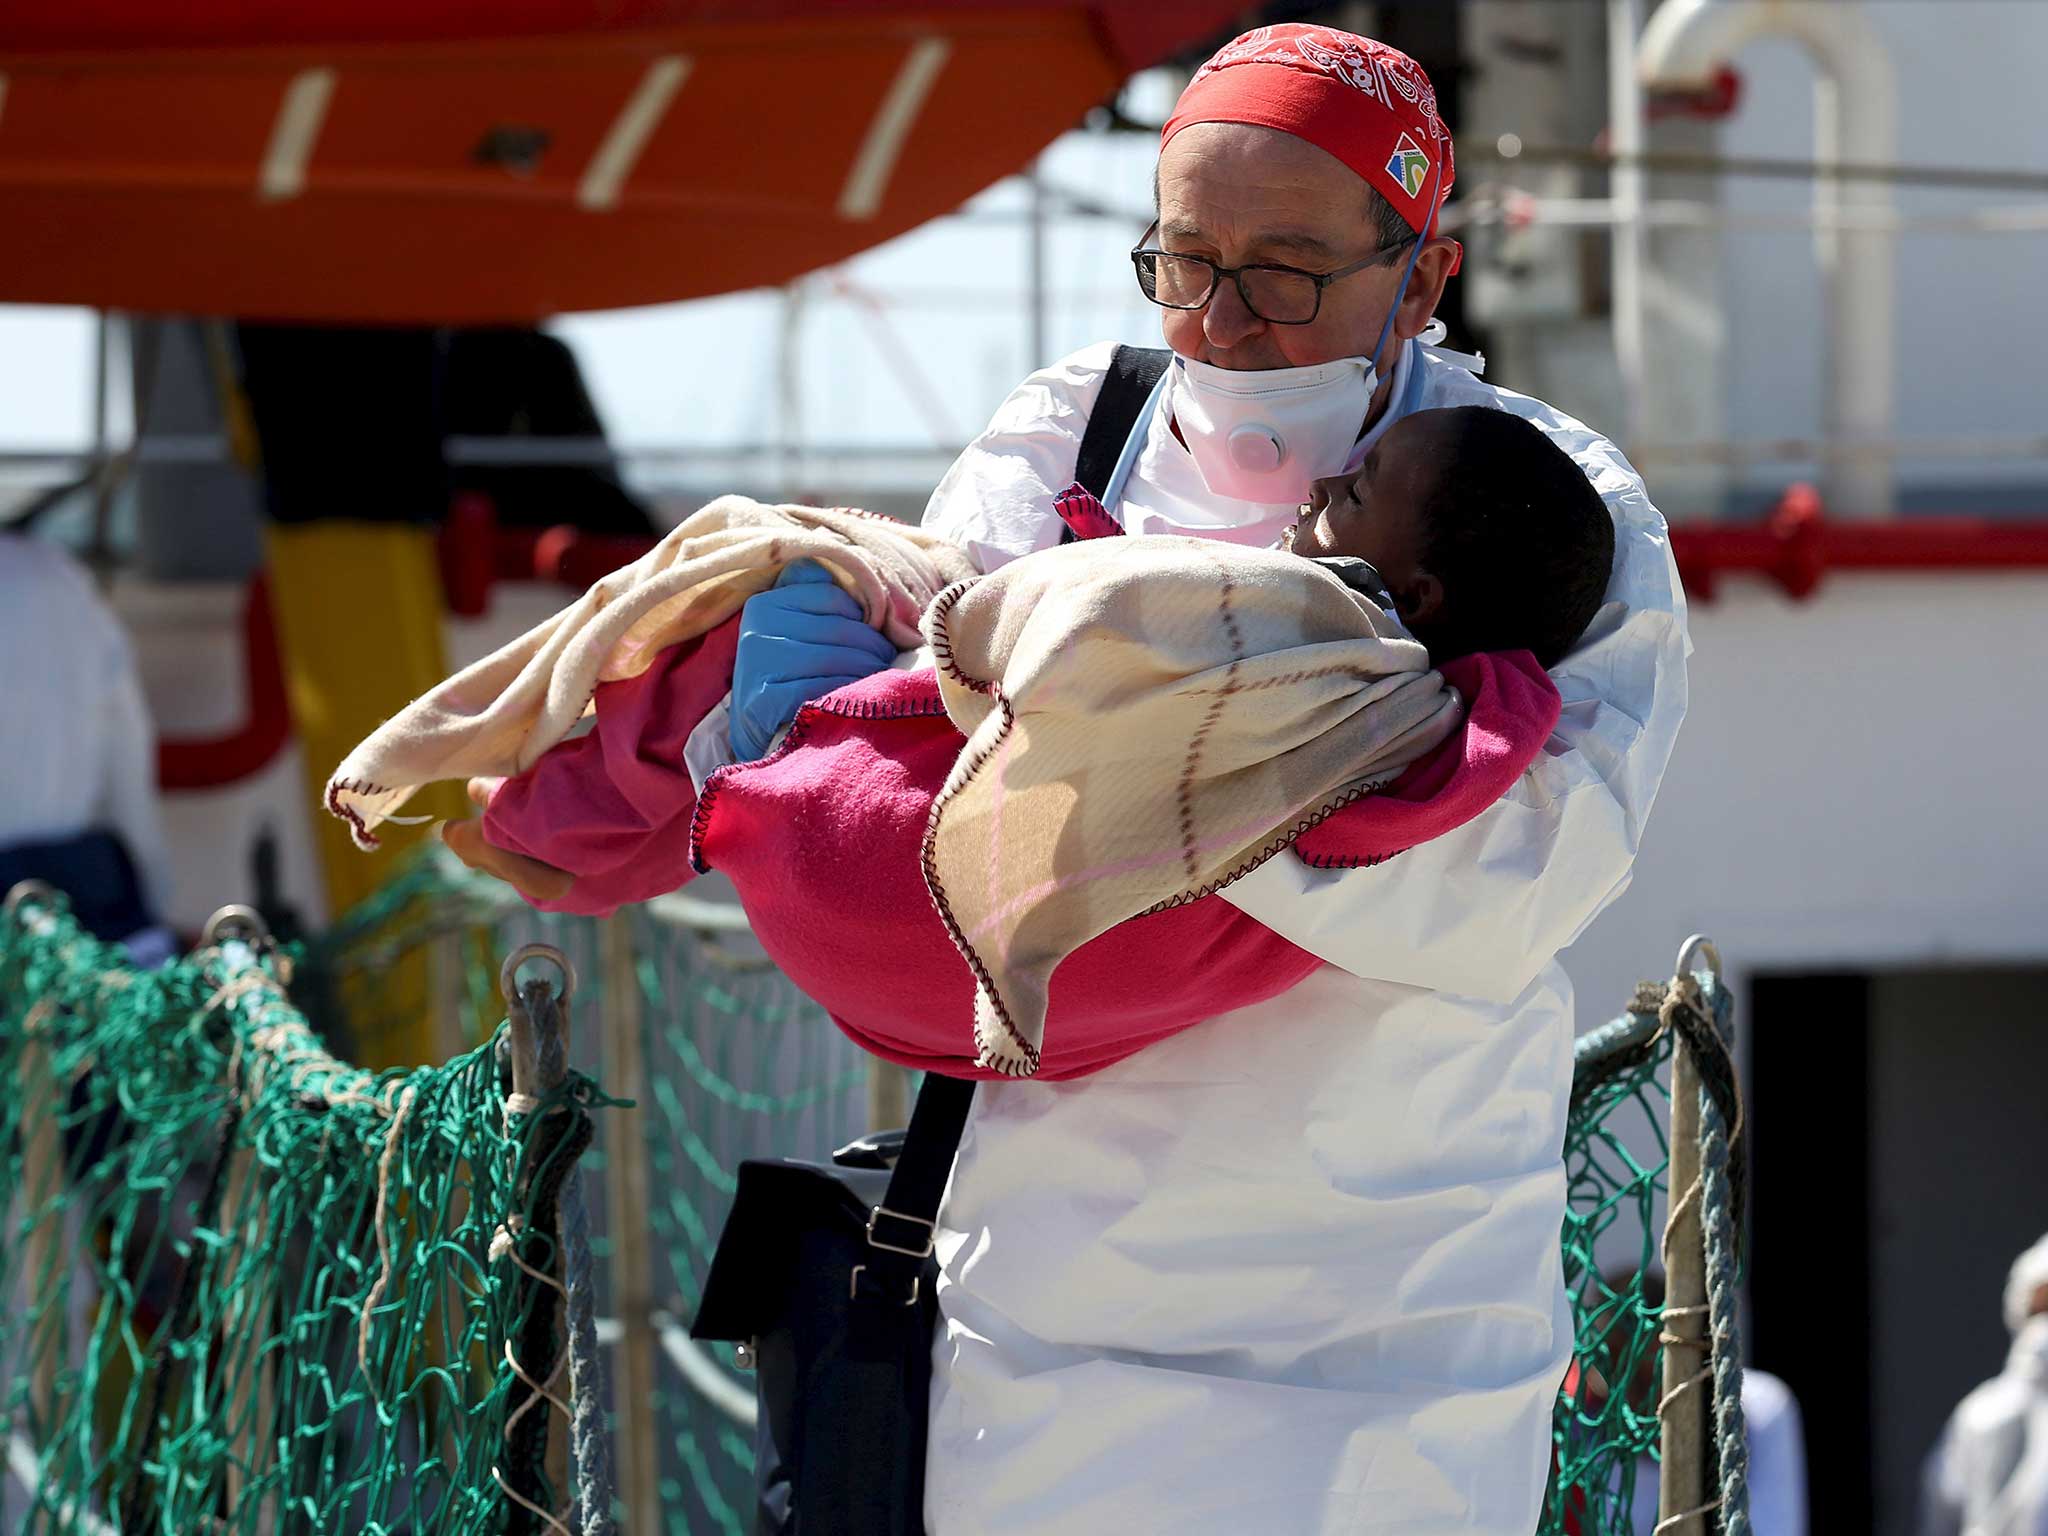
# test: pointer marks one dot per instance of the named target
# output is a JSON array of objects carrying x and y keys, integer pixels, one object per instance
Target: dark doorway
[{"x": 1899, "y": 1156}]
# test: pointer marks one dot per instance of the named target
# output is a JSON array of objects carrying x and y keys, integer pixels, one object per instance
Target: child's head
[{"x": 1487, "y": 535}]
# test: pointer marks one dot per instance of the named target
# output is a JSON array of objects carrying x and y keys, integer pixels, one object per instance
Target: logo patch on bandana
[{"x": 1409, "y": 166}]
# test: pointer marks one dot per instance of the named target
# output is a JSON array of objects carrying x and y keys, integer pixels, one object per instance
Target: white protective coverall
[
  {"x": 1988, "y": 1474},
  {"x": 1297, "y": 1268}
]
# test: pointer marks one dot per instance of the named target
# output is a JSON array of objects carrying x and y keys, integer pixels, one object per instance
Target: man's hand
[
  {"x": 799, "y": 640},
  {"x": 529, "y": 877}
]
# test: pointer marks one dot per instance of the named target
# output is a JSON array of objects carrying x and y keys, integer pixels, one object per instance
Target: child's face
[{"x": 1371, "y": 514}]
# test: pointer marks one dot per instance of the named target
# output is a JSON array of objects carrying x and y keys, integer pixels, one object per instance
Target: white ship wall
[{"x": 1859, "y": 784}]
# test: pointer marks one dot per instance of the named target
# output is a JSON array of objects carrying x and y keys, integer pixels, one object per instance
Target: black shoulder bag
[
  {"x": 824, "y": 1273},
  {"x": 1132, "y": 373}
]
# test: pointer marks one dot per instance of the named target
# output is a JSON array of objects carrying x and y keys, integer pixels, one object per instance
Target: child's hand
[{"x": 531, "y": 878}]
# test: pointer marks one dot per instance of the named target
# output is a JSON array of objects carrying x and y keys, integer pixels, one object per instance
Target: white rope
[
  {"x": 680, "y": 911},
  {"x": 377, "y": 1221},
  {"x": 527, "y": 1504},
  {"x": 1673, "y": 1522},
  {"x": 283, "y": 1041}
]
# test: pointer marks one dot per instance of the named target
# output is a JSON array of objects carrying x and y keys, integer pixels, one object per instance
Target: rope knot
[
  {"x": 241, "y": 985},
  {"x": 1682, "y": 995},
  {"x": 506, "y": 1235}
]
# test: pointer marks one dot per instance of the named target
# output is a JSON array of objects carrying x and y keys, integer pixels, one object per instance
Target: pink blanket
[{"x": 823, "y": 840}]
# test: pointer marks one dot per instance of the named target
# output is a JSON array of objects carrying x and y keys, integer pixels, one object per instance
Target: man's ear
[
  {"x": 1425, "y": 288},
  {"x": 1419, "y": 600}
]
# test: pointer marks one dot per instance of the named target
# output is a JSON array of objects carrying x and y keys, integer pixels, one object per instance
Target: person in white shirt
[
  {"x": 1296, "y": 1269},
  {"x": 1988, "y": 1474},
  {"x": 78, "y": 796}
]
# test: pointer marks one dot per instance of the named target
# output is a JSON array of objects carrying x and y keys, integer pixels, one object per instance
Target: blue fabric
[
  {"x": 1411, "y": 392},
  {"x": 93, "y": 870},
  {"x": 799, "y": 640}
]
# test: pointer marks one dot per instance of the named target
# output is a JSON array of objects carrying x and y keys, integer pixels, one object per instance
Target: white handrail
[
  {"x": 703, "y": 1373},
  {"x": 1855, "y": 103},
  {"x": 26, "y": 1467}
]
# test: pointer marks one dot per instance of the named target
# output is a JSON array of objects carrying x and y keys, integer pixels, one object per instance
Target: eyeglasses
[{"x": 1277, "y": 295}]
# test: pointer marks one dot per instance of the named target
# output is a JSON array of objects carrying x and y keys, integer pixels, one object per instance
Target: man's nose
[
  {"x": 1320, "y": 492},
  {"x": 1227, "y": 322}
]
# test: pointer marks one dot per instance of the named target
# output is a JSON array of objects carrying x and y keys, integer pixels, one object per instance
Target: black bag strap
[
  {"x": 1133, "y": 371},
  {"x": 904, "y": 1223}
]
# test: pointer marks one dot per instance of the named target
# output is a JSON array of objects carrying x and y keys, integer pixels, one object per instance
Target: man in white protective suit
[
  {"x": 1297, "y": 1269},
  {"x": 1988, "y": 1474}
]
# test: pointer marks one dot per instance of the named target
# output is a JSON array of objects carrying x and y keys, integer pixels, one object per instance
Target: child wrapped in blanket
[
  {"x": 1249, "y": 705},
  {"x": 1143, "y": 731}
]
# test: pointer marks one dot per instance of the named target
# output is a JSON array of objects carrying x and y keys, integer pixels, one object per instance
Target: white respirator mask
[{"x": 1265, "y": 435}]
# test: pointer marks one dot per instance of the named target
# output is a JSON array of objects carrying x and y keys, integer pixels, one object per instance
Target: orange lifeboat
[{"x": 500, "y": 160}]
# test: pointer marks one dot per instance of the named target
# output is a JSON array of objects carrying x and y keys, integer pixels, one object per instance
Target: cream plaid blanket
[
  {"x": 1147, "y": 719},
  {"x": 500, "y": 715}
]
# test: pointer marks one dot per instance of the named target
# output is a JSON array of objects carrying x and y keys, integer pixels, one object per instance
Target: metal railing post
[
  {"x": 628, "y": 1193},
  {"x": 1687, "y": 1390}
]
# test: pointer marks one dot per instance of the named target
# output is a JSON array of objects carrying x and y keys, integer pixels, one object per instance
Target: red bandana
[{"x": 1369, "y": 105}]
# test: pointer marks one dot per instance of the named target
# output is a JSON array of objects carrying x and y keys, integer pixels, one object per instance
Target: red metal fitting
[
  {"x": 1716, "y": 99},
  {"x": 467, "y": 548},
  {"x": 210, "y": 763},
  {"x": 1797, "y": 545}
]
